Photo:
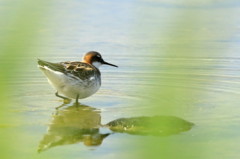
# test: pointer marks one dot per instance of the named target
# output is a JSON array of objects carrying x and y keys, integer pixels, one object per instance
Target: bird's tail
[{"x": 50, "y": 65}]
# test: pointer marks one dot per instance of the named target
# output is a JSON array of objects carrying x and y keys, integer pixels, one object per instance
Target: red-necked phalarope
[{"x": 75, "y": 79}]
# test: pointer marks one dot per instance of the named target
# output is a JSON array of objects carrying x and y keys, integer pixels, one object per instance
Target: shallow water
[{"x": 125, "y": 33}]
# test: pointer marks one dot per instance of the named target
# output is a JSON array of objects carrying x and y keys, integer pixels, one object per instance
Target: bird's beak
[{"x": 106, "y": 63}]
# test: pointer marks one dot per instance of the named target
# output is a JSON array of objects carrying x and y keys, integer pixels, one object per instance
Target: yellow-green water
[{"x": 180, "y": 55}]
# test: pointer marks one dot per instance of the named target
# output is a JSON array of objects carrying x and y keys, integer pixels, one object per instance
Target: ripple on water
[{"x": 215, "y": 80}]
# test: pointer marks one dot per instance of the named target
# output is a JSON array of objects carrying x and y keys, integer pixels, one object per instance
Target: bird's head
[{"x": 94, "y": 58}]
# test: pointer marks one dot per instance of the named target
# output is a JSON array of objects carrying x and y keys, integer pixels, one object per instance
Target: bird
[{"x": 75, "y": 79}]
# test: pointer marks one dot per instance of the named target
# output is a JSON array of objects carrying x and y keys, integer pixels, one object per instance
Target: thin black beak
[{"x": 106, "y": 63}]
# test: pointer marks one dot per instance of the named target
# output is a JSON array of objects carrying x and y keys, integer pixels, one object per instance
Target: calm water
[{"x": 126, "y": 33}]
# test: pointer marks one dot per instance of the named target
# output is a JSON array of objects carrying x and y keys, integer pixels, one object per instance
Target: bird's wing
[{"x": 77, "y": 69}]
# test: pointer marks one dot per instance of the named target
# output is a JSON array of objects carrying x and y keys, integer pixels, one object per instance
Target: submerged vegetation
[{"x": 156, "y": 125}]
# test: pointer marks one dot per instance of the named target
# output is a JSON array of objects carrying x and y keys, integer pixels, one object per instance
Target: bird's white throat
[{"x": 97, "y": 64}]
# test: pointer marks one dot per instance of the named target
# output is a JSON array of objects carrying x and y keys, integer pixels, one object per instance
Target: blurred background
[{"x": 175, "y": 58}]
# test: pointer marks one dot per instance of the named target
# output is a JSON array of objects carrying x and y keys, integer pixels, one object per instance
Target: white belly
[{"x": 71, "y": 87}]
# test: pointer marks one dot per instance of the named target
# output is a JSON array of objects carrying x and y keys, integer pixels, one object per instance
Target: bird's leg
[
  {"x": 60, "y": 96},
  {"x": 65, "y": 99},
  {"x": 77, "y": 99}
]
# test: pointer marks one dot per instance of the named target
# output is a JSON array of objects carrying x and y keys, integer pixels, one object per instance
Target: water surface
[{"x": 126, "y": 34}]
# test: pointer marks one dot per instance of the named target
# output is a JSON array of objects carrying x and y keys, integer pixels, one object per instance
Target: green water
[{"x": 126, "y": 34}]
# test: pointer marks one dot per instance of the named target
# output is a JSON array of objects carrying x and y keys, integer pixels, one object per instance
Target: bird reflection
[{"x": 73, "y": 124}]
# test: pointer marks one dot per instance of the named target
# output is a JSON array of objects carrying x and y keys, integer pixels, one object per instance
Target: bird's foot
[{"x": 67, "y": 101}]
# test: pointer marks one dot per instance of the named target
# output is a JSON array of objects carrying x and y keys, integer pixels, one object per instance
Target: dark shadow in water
[{"x": 81, "y": 123}]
